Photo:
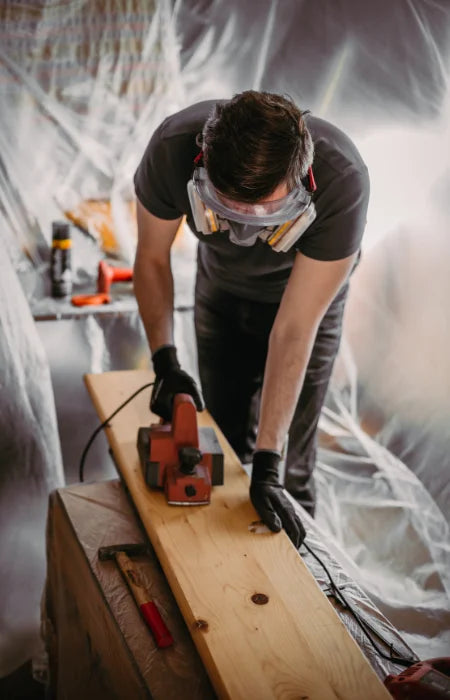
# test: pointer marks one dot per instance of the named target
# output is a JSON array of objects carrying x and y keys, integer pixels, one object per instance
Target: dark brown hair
[{"x": 254, "y": 142}]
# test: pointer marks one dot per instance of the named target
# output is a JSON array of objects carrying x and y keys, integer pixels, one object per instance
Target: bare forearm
[
  {"x": 286, "y": 364},
  {"x": 292, "y": 338},
  {"x": 153, "y": 286}
]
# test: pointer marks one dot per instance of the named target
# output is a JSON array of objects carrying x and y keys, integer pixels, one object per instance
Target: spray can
[{"x": 61, "y": 262}]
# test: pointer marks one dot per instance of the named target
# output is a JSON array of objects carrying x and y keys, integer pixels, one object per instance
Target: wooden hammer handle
[{"x": 148, "y": 609}]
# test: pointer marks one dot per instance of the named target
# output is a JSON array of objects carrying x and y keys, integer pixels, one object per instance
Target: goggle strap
[
  {"x": 312, "y": 182},
  {"x": 198, "y": 160}
]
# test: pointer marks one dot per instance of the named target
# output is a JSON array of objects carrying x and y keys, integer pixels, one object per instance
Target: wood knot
[
  {"x": 260, "y": 598},
  {"x": 201, "y": 625}
]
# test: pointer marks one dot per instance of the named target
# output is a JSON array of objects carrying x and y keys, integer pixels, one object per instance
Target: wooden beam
[{"x": 295, "y": 645}]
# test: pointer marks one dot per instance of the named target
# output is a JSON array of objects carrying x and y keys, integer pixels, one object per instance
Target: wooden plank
[{"x": 295, "y": 646}]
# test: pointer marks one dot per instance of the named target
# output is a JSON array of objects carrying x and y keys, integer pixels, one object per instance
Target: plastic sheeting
[
  {"x": 83, "y": 84},
  {"x": 387, "y": 531},
  {"x": 31, "y": 466}
]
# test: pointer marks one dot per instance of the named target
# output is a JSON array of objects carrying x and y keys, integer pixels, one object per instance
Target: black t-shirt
[{"x": 258, "y": 272}]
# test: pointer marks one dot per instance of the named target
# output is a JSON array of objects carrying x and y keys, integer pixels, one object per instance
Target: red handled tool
[
  {"x": 107, "y": 274},
  {"x": 90, "y": 299},
  {"x": 121, "y": 555},
  {"x": 424, "y": 680}
]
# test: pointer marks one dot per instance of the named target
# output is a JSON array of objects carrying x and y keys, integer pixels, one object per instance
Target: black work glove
[
  {"x": 266, "y": 494},
  {"x": 170, "y": 380}
]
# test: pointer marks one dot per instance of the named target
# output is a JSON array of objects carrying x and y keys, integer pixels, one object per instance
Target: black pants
[{"x": 232, "y": 340}]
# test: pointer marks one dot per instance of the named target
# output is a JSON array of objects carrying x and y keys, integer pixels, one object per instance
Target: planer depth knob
[{"x": 189, "y": 458}]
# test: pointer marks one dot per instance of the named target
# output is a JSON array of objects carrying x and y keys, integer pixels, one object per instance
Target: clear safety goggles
[{"x": 271, "y": 213}]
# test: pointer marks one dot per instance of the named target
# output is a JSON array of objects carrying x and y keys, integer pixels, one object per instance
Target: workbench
[{"x": 99, "y": 646}]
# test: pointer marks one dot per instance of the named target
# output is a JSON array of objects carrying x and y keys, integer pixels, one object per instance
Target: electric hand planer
[
  {"x": 184, "y": 460},
  {"x": 425, "y": 680}
]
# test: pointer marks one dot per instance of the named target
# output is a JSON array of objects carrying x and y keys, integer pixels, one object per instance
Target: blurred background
[{"x": 83, "y": 84}]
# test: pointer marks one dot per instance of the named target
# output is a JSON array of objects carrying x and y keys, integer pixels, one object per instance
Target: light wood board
[{"x": 295, "y": 646}]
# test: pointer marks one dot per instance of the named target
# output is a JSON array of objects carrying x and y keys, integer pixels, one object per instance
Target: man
[{"x": 278, "y": 201}]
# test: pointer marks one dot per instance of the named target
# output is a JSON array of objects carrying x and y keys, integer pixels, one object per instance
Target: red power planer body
[
  {"x": 180, "y": 457},
  {"x": 425, "y": 680}
]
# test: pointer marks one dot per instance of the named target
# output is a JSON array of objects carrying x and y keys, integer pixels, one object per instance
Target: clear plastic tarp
[
  {"x": 82, "y": 86},
  {"x": 30, "y": 467}
]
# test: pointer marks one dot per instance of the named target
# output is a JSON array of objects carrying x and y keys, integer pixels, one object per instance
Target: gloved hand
[
  {"x": 266, "y": 494},
  {"x": 170, "y": 380}
]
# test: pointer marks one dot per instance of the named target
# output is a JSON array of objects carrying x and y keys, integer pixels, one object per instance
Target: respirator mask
[{"x": 279, "y": 222}]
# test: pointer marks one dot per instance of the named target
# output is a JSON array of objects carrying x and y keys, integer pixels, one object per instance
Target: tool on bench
[
  {"x": 91, "y": 299},
  {"x": 180, "y": 457},
  {"x": 425, "y": 680},
  {"x": 121, "y": 555},
  {"x": 107, "y": 275}
]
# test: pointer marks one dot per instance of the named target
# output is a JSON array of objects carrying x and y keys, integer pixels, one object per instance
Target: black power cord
[
  {"x": 401, "y": 661},
  {"x": 104, "y": 425}
]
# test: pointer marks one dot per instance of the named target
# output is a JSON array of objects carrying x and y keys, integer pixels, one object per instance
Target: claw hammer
[{"x": 121, "y": 555}]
